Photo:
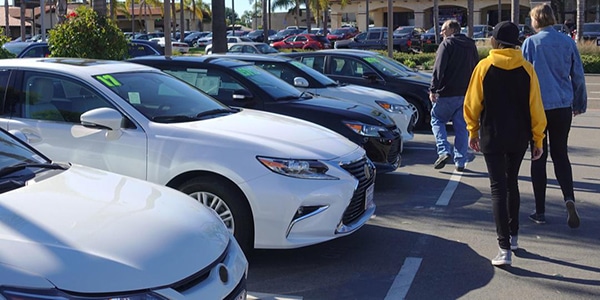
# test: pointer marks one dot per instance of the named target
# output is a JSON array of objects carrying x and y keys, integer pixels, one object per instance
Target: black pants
[
  {"x": 503, "y": 169},
  {"x": 557, "y": 132}
]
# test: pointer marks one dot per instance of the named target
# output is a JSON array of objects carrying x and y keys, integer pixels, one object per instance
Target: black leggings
[
  {"x": 557, "y": 132},
  {"x": 503, "y": 169}
]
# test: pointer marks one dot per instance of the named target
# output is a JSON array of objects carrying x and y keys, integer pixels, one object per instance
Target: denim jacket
[{"x": 558, "y": 66}]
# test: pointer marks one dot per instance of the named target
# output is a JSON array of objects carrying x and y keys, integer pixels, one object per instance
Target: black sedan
[
  {"x": 243, "y": 84},
  {"x": 368, "y": 68}
]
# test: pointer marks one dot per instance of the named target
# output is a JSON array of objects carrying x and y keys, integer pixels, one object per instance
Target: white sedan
[
  {"x": 176, "y": 46},
  {"x": 275, "y": 181},
  {"x": 73, "y": 232},
  {"x": 231, "y": 40}
]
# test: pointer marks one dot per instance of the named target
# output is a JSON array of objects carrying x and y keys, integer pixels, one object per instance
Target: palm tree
[
  {"x": 219, "y": 39},
  {"x": 7, "y": 31},
  {"x": 294, "y": 10},
  {"x": 470, "y": 10},
  {"x": 580, "y": 19},
  {"x": 99, "y": 6},
  {"x": 515, "y": 11}
]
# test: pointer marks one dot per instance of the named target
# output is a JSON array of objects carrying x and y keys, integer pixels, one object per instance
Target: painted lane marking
[{"x": 404, "y": 279}]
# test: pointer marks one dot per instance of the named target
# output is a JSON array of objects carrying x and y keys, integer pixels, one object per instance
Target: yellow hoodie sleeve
[
  {"x": 536, "y": 108},
  {"x": 474, "y": 98}
]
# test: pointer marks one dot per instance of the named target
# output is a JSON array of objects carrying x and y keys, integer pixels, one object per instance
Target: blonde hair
[{"x": 543, "y": 15}]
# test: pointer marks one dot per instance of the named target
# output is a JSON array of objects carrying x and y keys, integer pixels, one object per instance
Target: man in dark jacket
[{"x": 455, "y": 60}]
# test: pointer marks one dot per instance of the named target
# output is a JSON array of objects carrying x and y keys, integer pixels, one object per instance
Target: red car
[
  {"x": 304, "y": 41},
  {"x": 343, "y": 33}
]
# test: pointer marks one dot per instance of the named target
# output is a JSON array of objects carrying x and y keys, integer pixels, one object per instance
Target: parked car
[
  {"x": 73, "y": 232},
  {"x": 317, "y": 31},
  {"x": 562, "y": 28},
  {"x": 175, "y": 44},
  {"x": 591, "y": 31},
  {"x": 191, "y": 38},
  {"x": 252, "y": 47},
  {"x": 275, "y": 181},
  {"x": 343, "y": 33},
  {"x": 376, "y": 38},
  {"x": 412, "y": 33},
  {"x": 230, "y": 41},
  {"x": 303, "y": 41},
  {"x": 258, "y": 35},
  {"x": 525, "y": 31},
  {"x": 242, "y": 84},
  {"x": 428, "y": 37},
  {"x": 203, "y": 41},
  {"x": 282, "y": 34},
  {"x": 366, "y": 68},
  {"x": 307, "y": 79},
  {"x": 148, "y": 36},
  {"x": 479, "y": 31},
  {"x": 41, "y": 49}
]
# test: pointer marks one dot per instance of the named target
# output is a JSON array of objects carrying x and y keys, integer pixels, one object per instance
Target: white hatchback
[
  {"x": 73, "y": 232},
  {"x": 275, "y": 181}
]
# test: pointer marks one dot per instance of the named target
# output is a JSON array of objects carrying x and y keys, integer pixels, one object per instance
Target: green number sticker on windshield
[
  {"x": 247, "y": 71},
  {"x": 371, "y": 59},
  {"x": 108, "y": 80}
]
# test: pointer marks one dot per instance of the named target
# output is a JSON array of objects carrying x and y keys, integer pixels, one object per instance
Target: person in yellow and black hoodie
[{"x": 503, "y": 110}]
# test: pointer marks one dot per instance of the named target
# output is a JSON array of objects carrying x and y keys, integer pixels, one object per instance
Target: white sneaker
[
  {"x": 503, "y": 258},
  {"x": 514, "y": 242}
]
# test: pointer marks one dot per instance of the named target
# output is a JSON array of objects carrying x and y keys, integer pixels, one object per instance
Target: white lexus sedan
[
  {"x": 72, "y": 232},
  {"x": 275, "y": 181}
]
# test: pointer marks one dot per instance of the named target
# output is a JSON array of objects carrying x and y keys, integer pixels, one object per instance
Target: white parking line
[
  {"x": 404, "y": 279},
  {"x": 264, "y": 296},
  {"x": 444, "y": 198}
]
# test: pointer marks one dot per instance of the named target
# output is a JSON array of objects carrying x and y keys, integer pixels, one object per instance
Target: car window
[
  {"x": 249, "y": 49},
  {"x": 320, "y": 77},
  {"x": 160, "y": 97},
  {"x": 301, "y": 38},
  {"x": 315, "y": 62},
  {"x": 385, "y": 67},
  {"x": 373, "y": 36},
  {"x": 213, "y": 82},
  {"x": 37, "y": 51},
  {"x": 283, "y": 71},
  {"x": 55, "y": 98}
]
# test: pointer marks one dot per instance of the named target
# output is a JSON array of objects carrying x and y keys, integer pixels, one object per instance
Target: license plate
[{"x": 369, "y": 196}]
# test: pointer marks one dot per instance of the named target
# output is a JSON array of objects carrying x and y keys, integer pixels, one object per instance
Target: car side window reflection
[{"x": 52, "y": 98}]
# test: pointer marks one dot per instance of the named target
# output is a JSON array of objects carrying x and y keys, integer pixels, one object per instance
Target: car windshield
[
  {"x": 269, "y": 83},
  {"x": 340, "y": 31},
  {"x": 15, "y": 48},
  {"x": 403, "y": 30},
  {"x": 163, "y": 98},
  {"x": 396, "y": 63},
  {"x": 12, "y": 152},
  {"x": 264, "y": 48},
  {"x": 385, "y": 66}
]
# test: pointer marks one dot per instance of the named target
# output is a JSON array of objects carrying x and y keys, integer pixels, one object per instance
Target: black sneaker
[
  {"x": 572, "y": 216},
  {"x": 537, "y": 218},
  {"x": 441, "y": 161},
  {"x": 460, "y": 168}
]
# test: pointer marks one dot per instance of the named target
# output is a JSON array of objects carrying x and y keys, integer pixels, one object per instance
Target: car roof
[
  {"x": 352, "y": 52},
  {"x": 75, "y": 66},
  {"x": 227, "y": 62},
  {"x": 255, "y": 57}
]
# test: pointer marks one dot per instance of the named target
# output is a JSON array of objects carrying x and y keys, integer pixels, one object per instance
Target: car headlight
[
  {"x": 365, "y": 129},
  {"x": 54, "y": 294},
  {"x": 390, "y": 107},
  {"x": 298, "y": 168}
]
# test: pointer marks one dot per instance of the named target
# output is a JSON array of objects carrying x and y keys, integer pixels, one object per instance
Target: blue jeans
[{"x": 450, "y": 109}]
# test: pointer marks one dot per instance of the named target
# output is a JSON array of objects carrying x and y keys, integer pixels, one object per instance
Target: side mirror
[
  {"x": 300, "y": 82},
  {"x": 371, "y": 76},
  {"x": 104, "y": 118}
]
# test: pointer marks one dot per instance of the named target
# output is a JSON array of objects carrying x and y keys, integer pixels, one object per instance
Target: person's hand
[
  {"x": 474, "y": 144},
  {"x": 577, "y": 112},
  {"x": 536, "y": 153},
  {"x": 433, "y": 97}
]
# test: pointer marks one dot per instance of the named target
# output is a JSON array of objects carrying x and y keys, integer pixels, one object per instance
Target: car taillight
[{"x": 409, "y": 42}]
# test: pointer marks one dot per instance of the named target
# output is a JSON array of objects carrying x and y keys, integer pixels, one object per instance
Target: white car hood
[
  {"x": 86, "y": 230},
  {"x": 271, "y": 134},
  {"x": 357, "y": 92}
]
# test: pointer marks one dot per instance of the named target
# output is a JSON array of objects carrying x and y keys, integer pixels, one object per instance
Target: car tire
[
  {"x": 229, "y": 203},
  {"x": 421, "y": 120}
]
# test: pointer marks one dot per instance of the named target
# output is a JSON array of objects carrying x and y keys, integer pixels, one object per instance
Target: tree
[
  {"x": 219, "y": 39},
  {"x": 293, "y": 7},
  {"x": 580, "y": 19},
  {"x": 85, "y": 34}
]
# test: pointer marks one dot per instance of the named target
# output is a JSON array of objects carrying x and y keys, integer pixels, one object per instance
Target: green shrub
[
  {"x": 591, "y": 63},
  {"x": 85, "y": 34},
  {"x": 3, "y": 52}
]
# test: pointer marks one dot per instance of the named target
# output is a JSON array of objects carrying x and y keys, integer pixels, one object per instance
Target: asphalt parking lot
[{"x": 433, "y": 236}]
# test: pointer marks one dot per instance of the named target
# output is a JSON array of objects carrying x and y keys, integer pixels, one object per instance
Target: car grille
[
  {"x": 364, "y": 171},
  {"x": 198, "y": 277},
  {"x": 394, "y": 151}
]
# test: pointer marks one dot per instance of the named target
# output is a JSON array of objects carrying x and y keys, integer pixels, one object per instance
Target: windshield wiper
[
  {"x": 173, "y": 118},
  {"x": 303, "y": 95},
  {"x": 20, "y": 166},
  {"x": 217, "y": 111}
]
